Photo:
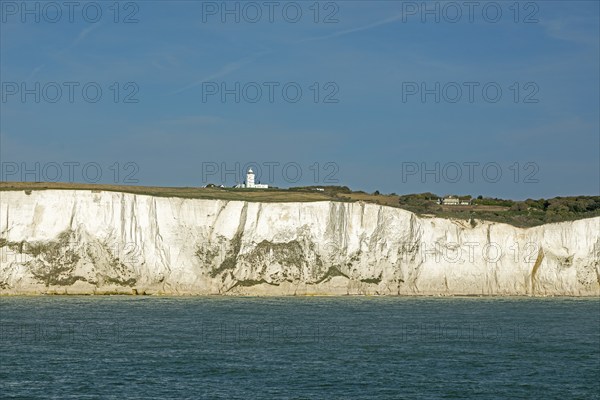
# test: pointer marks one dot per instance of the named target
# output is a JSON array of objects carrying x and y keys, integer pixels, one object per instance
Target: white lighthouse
[
  {"x": 250, "y": 182},
  {"x": 250, "y": 179}
]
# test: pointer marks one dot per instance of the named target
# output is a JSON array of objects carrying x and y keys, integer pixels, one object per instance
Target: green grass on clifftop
[{"x": 518, "y": 213}]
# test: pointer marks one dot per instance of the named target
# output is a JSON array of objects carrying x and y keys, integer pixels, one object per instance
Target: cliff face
[{"x": 68, "y": 241}]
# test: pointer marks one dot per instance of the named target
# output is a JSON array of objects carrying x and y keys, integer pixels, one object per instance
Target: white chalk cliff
[{"x": 81, "y": 241}]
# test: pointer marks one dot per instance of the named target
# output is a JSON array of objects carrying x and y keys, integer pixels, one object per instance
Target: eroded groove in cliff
[
  {"x": 5, "y": 230},
  {"x": 53, "y": 262},
  {"x": 332, "y": 272},
  {"x": 250, "y": 283},
  {"x": 373, "y": 280},
  {"x": 231, "y": 258},
  {"x": 216, "y": 219},
  {"x": 534, "y": 270}
]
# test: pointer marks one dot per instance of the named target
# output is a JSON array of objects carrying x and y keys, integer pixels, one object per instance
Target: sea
[{"x": 148, "y": 347}]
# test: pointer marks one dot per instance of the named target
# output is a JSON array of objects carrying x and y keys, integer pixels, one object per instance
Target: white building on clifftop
[{"x": 249, "y": 183}]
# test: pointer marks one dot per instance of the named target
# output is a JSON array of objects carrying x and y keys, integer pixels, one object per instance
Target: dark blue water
[{"x": 299, "y": 348}]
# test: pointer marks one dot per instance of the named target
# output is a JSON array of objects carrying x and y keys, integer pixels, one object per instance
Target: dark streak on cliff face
[
  {"x": 230, "y": 260},
  {"x": 53, "y": 261},
  {"x": 534, "y": 270}
]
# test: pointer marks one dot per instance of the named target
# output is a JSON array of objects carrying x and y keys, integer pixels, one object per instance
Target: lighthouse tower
[{"x": 250, "y": 179}]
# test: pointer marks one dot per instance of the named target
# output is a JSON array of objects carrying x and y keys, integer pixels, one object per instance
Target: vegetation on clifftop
[
  {"x": 530, "y": 212},
  {"x": 519, "y": 213}
]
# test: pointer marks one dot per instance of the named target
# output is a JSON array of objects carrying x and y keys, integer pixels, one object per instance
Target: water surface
[{"x": 299, "y": 348}]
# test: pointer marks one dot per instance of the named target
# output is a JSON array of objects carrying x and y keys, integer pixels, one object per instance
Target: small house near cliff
[{"x": 454, "y": 201}]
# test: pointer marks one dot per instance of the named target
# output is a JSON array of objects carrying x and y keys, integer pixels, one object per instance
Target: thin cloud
[
  {"x": 571, "y": 29},
  {"x": 35, "y": 71},
  {"x": 372, "y": 25},
  {"x": 84, "y": 33},
  {"x": 80, "y": 38},
  {"x": 223, "y": 71},
  {"x": 194, "y": 120}
]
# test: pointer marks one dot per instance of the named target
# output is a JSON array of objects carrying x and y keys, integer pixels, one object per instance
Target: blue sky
[{"x": 372, "y": 133}]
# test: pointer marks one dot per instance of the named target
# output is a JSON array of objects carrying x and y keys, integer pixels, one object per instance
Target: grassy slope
[
  {"x": 484, "y": 212},
  {"x": 262, "y": 195}
]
